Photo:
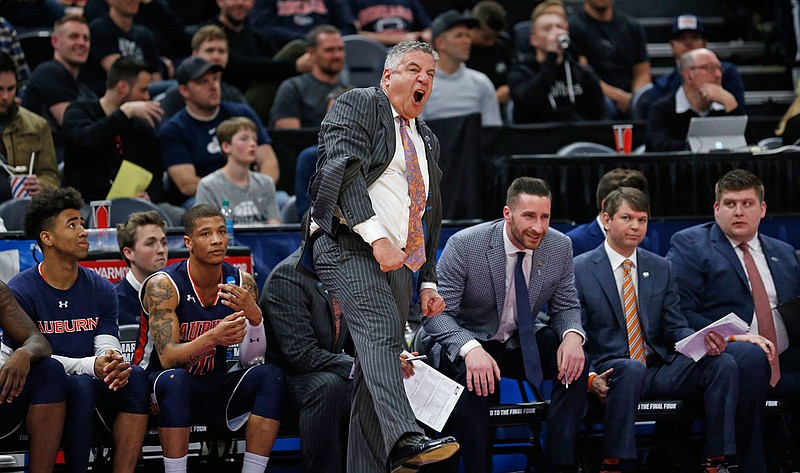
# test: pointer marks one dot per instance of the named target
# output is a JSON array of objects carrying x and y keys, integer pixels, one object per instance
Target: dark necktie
[
  {"x": 632, "y": 325},
  {"x": 526, "y": 326},
  {"x": 415, "y": 242},
  {"x": 766, "y": 325}
]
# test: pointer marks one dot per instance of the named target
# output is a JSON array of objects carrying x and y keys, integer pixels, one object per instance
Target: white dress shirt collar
[
  {"x": 617, "y": 259},
  {"x": 682, "y": 104},
  {"x": 754, "y": 244},
  {"x": 132, "y": 281},
  {"x": 412, "y": 122}
]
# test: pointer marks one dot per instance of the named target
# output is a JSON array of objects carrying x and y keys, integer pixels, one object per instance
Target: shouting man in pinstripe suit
[
  {"x": 495, "y": 278},
  {"x": 376, "y": 216}
]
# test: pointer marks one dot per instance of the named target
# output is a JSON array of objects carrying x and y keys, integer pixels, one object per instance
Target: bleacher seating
[
  {"x": 36, "y": 45},
  {"x": 12, "y": 211}
]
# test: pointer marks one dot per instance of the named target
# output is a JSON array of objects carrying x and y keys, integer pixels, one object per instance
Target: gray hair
[
  {"x": 688, "y": 58},
  {"x": 396, "y": 54}
]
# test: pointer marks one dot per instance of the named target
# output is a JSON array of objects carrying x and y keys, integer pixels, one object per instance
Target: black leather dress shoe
[{"x": 421, "y": 452}]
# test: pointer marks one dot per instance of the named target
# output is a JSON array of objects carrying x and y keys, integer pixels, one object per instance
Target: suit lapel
[
  {"x": 605, "y": 278},
  {"x": 776, "y": 267},
  {"x": 721, "y": 244},
  {"x": 496, "y": 260},
  {"x": 329, "y": 321},
  {"x": 644, "y": 289},
  {"x": 538, "y": 265},
  {"x": 594, "y": 230}
]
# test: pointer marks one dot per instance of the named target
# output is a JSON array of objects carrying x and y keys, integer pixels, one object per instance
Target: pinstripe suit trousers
[{"x": 375, "y": 305}]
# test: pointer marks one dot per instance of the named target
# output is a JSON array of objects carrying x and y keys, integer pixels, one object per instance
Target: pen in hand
[{"x": 415, "y": 358}]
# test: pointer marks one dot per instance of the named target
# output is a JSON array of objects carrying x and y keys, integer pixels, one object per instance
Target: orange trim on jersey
[{"x": 194, "y": 286}]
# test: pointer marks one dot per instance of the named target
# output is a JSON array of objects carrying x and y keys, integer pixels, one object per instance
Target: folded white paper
[
  {"x": 431, "y": 394},
  {"x": 694, "y": 346}
]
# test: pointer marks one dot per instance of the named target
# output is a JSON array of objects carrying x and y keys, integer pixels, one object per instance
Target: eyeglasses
[{"x": 708, "y": 67}]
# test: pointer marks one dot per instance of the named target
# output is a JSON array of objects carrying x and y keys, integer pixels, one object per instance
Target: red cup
[
  {"x": 623, "y": 138},
  {"x": 101, "y": 212},
  {"x": 18, "y": 189}
]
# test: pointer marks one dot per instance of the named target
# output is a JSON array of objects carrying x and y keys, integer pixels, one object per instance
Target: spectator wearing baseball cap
[
  {"x": 689, "y": 33},
  {"x": 195, "y": 68},
  {"x": 459, "y": 90},
  {"x": 189, "y": 146}
]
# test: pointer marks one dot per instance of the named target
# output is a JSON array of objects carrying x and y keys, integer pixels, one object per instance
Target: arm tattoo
[
  {"x": 11, "y": 314},
  {"x": 250, "y": 285},
  {"x": 162, "y": 313},
  {"x": 160, "y": 301},
  {"x": 20, "y": 327}
]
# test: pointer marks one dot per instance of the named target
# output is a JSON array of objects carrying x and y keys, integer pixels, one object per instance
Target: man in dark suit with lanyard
[{"x": 376, "y": 216}]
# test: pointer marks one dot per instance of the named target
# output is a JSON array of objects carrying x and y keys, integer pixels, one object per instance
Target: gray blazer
[
  {"x": 472, "y": 281},
  {"x": 356, "y": 144},
  {"x": 298, "y": 320}
]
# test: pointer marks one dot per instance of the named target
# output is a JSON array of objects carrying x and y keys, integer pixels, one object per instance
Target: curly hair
[{"x": 45, "y": 207}]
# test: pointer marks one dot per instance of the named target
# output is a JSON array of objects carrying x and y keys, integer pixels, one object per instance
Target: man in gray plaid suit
[{"x": 495, "y": 277}]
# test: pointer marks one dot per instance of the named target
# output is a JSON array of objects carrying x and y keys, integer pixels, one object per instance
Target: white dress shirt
[
  {"x": 766, "y": 276},
  {"x": 389, "y": 193},
  {"x": 682, "y": 104}
]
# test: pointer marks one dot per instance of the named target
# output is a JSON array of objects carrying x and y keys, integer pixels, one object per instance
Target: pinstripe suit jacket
[
  {"x": 356, "y": 144},
  {"x": 472, "y": 281},
  {"x": 298, "y": 319}
]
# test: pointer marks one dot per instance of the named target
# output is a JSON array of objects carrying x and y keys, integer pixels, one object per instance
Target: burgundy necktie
[
  {"x": 415, "y": 242},
  {"x": 766, "y": 324}
]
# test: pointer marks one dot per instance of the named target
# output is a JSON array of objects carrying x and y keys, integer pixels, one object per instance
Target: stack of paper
[
  {"x": 431, "y": 394},
  {"x": 694, "y": 346}
]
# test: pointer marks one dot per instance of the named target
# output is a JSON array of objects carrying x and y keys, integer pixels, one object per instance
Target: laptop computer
[{"x": 716, "y": 134}]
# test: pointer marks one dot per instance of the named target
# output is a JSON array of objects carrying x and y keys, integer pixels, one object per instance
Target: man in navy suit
[
  {"x": 590, "y": 235},
  {"x": 632, "y": 318},
  {"x": 709, "y": 262},
  {"x": 487, "y": 330}
]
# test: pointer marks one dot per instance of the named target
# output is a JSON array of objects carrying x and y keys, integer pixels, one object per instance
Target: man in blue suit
[
  {"x": 632, "y": 318},
  {"x": 589, "y": 236},
  {"x": 710, "y": 268},
  {"x": 495, "y": 277}
]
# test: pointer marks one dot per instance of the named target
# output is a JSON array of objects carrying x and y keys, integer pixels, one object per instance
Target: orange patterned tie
[
  {"x": 415, "y": 243},
  {"x": 766, "y": 324},
  {"x": 635, "y": 338}
]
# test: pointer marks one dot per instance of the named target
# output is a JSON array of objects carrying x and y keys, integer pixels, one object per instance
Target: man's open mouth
[{"x": 418, "y": 95}]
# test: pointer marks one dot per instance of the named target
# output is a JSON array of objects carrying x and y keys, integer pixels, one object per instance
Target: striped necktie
[
  {"x": 635, "y": 338},
  {"x": 415, "y": 242}
]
